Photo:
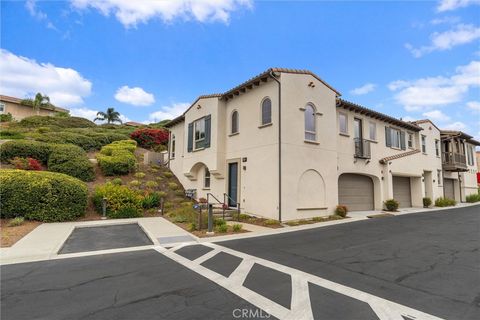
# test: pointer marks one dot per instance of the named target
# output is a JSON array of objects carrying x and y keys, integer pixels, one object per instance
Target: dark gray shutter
[
  {"x": 208, "y": 126},
  {"x": 402, "y": 140},
  {"x": 190, "y": 137},
  {"x": 388, "y": 137}
]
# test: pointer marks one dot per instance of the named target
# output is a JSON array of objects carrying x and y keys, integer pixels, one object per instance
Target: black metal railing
[
  {"x": 362, "y": 148},
  {"x": 226, "y": 198}
]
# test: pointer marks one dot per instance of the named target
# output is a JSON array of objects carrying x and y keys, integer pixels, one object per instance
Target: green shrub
[
  {"x": 444, "y": 202},
  {"x": 391, "y": 204},
  {"x": 167, "y": 174},
  {"x": 270, "y": 222},
  {"x": 341, "y": 211},
  {"x": 71, "y": 160},
  {"x": 6, "y": 117},
  {"x": 151, "y": 200},
  {"x": 25, "y": 149},
  {"x": 11, "y": 134},
  {"x": 473, "y": 198},
  {"x": 173, "y": 185},
  {"x": 159, "y": 179},
  {"x": 122, "y": 202},
  {"x": 117, "y": 158},
  {"x": 84, "y": 142},
  {"x": 237, "y": 227},
  {"x": 15, "y": 222},
  {"x": 223, "y": 228},
  {"x": 41, "y": 195},
  {"x": 139, "y": 175},
  {"x": 135, "y": 183},
  {"x": 117, "y": 181},
  {"x": 151, "y": 184},
  {"x": 182, "y": 214},
  {"x": 162, "y": 194},
  {"x": 192, "y": 226},
  {"x": 219, "y": 222},
  {"x": 43, "y": 121},
  {"x": 427, "y": 202}
]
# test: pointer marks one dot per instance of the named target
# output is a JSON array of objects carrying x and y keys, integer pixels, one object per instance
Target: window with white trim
[
  {"x": 206, "y": 180},
  {"x": 470, "y": 155},
  {"x": 199, "y": 129},
  {"x": 343, "y": 123},
  {"x": 234, "y": 126},
  {"x": 424, "y": 144},
  {"x": 437, "y": 148},
  {"x": 172, "y": 153},
  {"x": 395, "y": 138},
  {"x": 2, "y": 107},
  {"x": 266, "y": 111},
  {"x": 410, "y": 140},
  {"x": 310, "y": 126},
  {"x": 372, "y": 130}
]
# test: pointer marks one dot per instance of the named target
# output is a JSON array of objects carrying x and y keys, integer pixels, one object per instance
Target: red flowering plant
[
  {"x": 26, "y": 164},
  {"x": 150, "y": 138}
]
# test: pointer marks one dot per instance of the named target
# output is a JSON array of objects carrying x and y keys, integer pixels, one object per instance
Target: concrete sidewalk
[{"x": 44, "y": 242}]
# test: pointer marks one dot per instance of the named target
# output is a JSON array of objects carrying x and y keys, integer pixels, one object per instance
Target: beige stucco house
[
  {"x": 19, "y": 111},
  {"x": 283, "y": 145}
]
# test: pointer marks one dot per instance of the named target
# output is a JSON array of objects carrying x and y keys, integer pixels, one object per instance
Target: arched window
[
  {"x": 234, "y": 122},
  {"x": 266, "y": 111},
  {"x": 310, "y": 119}
]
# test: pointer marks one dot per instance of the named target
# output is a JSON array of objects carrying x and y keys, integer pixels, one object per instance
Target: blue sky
[{"x": 150, "y": 59}]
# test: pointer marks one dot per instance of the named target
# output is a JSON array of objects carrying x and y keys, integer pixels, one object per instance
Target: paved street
[{"x": 414, "y": 266}]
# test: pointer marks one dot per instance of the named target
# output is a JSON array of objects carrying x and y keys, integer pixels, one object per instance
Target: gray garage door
[
  {"x": 401, "y": 191},
  {"x": 355, "y": 191},
  {"x": 448, "y": 188}
]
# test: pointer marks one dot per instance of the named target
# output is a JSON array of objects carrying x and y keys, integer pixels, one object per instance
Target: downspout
[
  {"x": 460, "y": 186},
  {"x": 273, "y": 76}
]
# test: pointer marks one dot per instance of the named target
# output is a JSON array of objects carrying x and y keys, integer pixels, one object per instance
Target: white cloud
[
  {"x": 449, "y": 5},
  {"x": 91, "y": 114},
  {"x": 366, "y": 88},
  {"x": 135, "y": 96},
  {"x": 426, "y": 93},
  {"x": 22, "y": 77},
  {"x": 168, "y": 112},
  {"x": 130, "y": 13},
  {"x": 408, "y": 118},
  {"x": 474, "y": 106},
  {"x": 436, "y": 115},
  {"x": 460, "y": 126},
  {"x": 445, "y": 20},
  {"x": 441, "y": 41},
  {"x": 38, "y": 14}
]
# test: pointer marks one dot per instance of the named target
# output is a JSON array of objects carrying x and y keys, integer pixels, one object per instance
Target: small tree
[
  {"x": 111, "y": 116},
  {"x": 40, "y": 101}
]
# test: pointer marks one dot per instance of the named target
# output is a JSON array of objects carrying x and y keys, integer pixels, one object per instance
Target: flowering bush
[
  {"x": 150, "y": 138},
  {"x": 26, "y": 163}
]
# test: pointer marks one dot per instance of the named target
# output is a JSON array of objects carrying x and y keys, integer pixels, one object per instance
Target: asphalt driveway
[{"x": 427, "y": 261}]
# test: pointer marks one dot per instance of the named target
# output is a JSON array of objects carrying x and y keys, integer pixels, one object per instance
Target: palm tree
[
  {"x": 39, "y": 102},
  {"x": 110, "y": 116}
]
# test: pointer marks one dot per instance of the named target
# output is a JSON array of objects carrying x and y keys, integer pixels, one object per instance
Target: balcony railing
[
  {"x": 453, "y": 161},
  {"x": 362, "y": 148}
]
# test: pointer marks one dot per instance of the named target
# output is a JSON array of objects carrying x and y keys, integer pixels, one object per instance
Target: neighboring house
[
  {"x": 283, "y": 145},
  {"x": 19, "y": 111}
]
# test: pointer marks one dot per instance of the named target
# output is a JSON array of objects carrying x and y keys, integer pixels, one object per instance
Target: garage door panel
[
  {"x": 402, "y": 192},
  {"x": 356, "y": 192}
]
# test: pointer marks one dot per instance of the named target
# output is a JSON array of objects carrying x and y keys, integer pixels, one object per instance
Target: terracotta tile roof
[
  {"x": 376, "y": 115},
  {"x": 459, "y": 134},
  {"x": 426, "y": 121},
  {"x": 399, "y": 155},
  {"x": 18, "y": 101}
]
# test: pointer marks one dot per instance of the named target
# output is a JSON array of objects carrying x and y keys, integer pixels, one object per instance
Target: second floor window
[
  {"x": 199, "y": 129},
  {"x": 437, "y": 148},
  {"x": 342, "y": 123},
  {"x": 470, "y": 155},
  {"x": 173, "y": 147},
  {"x": 424, "y": 144},
  {"x": 372, "y": 131},
  {"x": 394, "y": 138},
  {"x": 234, "y": 122},
  {"x": 410, "y": 140},
  {"x": 266, "y": 111},
  {"x": 310, "y": 127}
]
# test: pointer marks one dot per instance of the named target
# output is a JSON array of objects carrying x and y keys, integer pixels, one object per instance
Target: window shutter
[
  {"x": 388, "y": 137},
  {"x": 208, "y": 121},
  {"x": 402, "y": 140},
  {"x": 190, "y": 137}
]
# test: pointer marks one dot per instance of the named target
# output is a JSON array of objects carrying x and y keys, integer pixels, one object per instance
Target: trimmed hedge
[
  {"x": 71, "y": 160},
  {"x": 122, "y": 202},
  {"x": 445, "y": 202},
  {"x": 44, "y": 121},
  {"x": 473, "y": 198},
  {"x": 41, "y": 195},
  {"x": 117, "y": 158},
  {"x": 63, "y": 158},
  {"x": 85, "y": 140}
]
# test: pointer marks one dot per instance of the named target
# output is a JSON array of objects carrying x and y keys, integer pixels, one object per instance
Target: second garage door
[
  {"x": 401, "y": 191},
  {"x": 355, "y": 191}
]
